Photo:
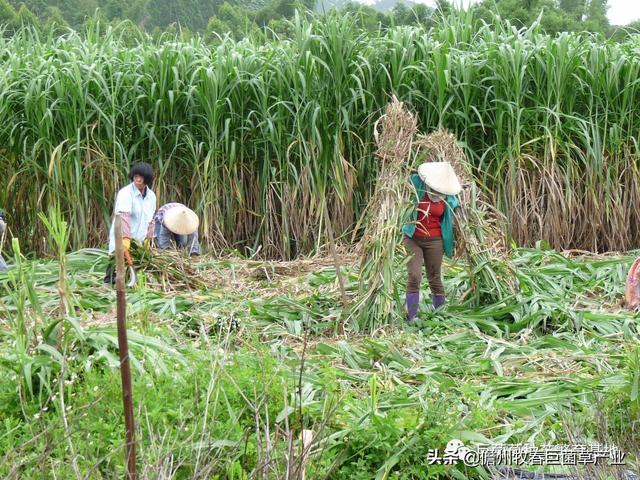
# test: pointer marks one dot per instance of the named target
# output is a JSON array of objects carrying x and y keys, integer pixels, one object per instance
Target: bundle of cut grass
[
  {"x": 170, "y": 268},
  {"x": 387, "y": 209},
  {"x": 480, "y": 232}
]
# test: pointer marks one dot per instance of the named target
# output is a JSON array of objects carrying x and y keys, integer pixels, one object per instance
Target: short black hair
[{"x": 144, "y": 170}]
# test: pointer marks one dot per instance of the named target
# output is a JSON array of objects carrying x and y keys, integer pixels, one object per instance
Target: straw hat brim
[
  {"x": 440, "y": 177},
  {"x": 181, "y": 220}
]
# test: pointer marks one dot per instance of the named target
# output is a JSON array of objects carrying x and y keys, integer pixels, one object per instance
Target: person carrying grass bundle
[
  {"x": 176, "y": 226},
  {"x": 632, "y": 287},
  {"x": 136, "y": 204},
  {"x": 429, "y": 235}
]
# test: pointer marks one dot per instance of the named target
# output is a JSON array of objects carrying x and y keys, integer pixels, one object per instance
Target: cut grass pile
[{"x": 227, "y": 378}]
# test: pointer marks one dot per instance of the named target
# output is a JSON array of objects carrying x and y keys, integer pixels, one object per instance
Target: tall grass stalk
[
  {"x": 59, "y": 236},
  {"x": 25, "y": 319},
  {"x": 378, "y": 299},
  {"x": 254, "y": 136}
]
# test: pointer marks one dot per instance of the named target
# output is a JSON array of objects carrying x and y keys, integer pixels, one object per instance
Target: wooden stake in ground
[{"x": 123, "y": 346}]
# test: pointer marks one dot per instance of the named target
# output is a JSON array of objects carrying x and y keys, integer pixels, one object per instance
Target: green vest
[{"x": 446, "y": 226}]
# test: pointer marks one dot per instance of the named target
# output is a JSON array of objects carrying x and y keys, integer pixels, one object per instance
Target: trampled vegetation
[{"x": 227, "y": 378}]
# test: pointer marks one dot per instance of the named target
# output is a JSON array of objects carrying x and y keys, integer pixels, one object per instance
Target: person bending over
[{"x": 176, "y": 226}]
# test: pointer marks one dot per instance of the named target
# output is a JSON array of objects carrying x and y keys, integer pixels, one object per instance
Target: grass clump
[{"x": 556, "y": 364}]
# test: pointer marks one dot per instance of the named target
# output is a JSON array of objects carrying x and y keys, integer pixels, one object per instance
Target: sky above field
[{"x": 620, "y": 12}]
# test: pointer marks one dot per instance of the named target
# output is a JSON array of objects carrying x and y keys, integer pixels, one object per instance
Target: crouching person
[
  {"x": 176, "y": 226},
  {"x": 3, "y": 229}
]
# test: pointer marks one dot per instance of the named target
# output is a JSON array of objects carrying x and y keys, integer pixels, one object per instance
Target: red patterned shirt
[{"x": 429, "y": 218}]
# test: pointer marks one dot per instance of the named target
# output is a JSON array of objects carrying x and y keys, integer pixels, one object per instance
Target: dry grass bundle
[
  {"x": 442, "y": 146},
  {"x": 171, "y": 269},
  {"x": 386, "y": 210},
  {"x": 480, "y": 233}
]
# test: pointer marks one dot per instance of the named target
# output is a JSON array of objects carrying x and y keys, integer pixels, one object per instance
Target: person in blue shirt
[
  {"x": 3, "y": 231},
  {"x": 176, "y": 226},
  {"x": 429, "y": 234}
]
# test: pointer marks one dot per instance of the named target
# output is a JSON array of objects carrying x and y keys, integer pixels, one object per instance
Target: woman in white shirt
[{"x": 136, "y": 204}]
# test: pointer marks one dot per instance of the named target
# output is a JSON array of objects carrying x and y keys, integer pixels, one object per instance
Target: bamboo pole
[{"x": 123, "y": 347}]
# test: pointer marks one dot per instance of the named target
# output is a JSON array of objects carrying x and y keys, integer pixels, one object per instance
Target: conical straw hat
[
  {"x": 181, "y": 220},
  {"x": 441, "y": 177}
]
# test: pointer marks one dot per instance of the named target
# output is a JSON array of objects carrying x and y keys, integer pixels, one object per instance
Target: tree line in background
[{"x": 242, "y": 18}]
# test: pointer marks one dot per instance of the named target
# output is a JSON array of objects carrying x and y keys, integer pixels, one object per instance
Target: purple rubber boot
[
  {"x": 438, "y": 301},
  {"x": 413, "y": 300}
]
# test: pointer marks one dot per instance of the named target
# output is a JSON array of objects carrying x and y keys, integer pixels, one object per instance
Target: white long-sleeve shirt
[{"x": 140, "y": 209}]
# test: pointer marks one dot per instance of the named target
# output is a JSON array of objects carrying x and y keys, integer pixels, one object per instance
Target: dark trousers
[
  {"x": 110, "y": 274},
  {"x": 428, "y": 251}
]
